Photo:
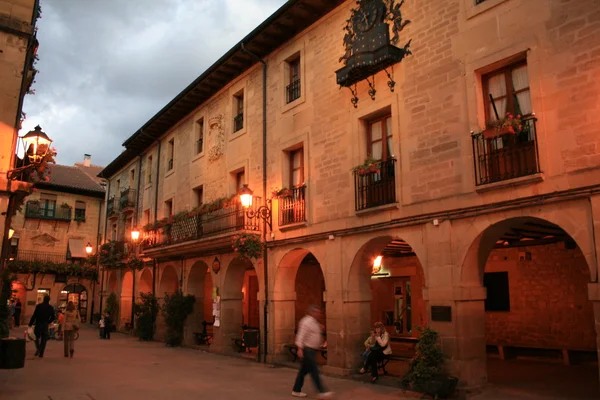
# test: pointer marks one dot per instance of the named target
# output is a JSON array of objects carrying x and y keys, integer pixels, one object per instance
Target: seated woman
[{"x": 379, "y": 343}]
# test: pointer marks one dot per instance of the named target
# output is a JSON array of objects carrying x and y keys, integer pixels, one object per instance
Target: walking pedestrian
[
  {"x": 41, "y": 318},
  {"x": 309, "y": 340},
  {"x": 107, "y": 326},
  {"x": 71, "y": 325},
  {"x": 102, "y": 326},
  {"x": 11, "y": 313},
  {"x": 18, "y": 309}
]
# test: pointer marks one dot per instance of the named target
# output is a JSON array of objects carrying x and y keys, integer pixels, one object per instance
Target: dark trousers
[
  {"x": 102, "y": 333},
  {"x": 17, "y": 319},
  {"x": 41, "y": 337},
  {"x": 309, "y": 366},
  {"x": 374, "y": 357},
  {"x": 107, "y": 332}
]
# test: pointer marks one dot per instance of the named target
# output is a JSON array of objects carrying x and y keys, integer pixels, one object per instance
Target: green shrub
[
  {"x": 145, "y": 316},
  {"x": 175, "y": 310},
  {"x": 428, "y": 361},
  {"x": 112, "y": 307}
]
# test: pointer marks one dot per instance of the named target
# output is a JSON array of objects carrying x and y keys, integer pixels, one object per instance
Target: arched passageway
[
  {"x": 145, "y": 281},
  {"x": 536, "y": 308},
  {"x": 126, "y": 299},
  {"x": 385, "y": 284},
  {"x": 239, "y": 301},
  {"x": 199, "y": 284},
  {"x": 78, "y": 294},
  {"x": 169, "y": 282},
  {"x": 299, "y": 283}
]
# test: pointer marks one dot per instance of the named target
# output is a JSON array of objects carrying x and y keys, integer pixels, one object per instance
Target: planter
[
  {"x": 12, "y": 353},
  {"x": 493, "y": 132},
  {"x": 439, "y": 387}
]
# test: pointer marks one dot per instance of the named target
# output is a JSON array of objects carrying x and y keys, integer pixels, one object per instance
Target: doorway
[{"x": 76, "y": 293}]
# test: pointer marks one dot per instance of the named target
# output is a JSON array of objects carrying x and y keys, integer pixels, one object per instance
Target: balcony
[
  {"x": 195, "y": 226},
  {"x": 127, "y": 202},
  {"x": 238, "y": 122},
  {"x": 506, "y": 157},
  {"x": 292, "y": 207},
  {"x": 111, "y": 212},
  {"x": 34, "y": 209},
  {"x": 28, "y": 255},
  {"x": 292, "y": 91},
  {"x": 375, "y": 187}
]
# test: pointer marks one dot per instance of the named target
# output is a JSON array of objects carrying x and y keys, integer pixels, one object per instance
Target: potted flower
[
  {"x": 65, "y": 205},
  {"x": 509, "y": 125},
  {"x": 426, "y": 370},
  {"x": 248, "y": 245},
  {"x": 283, "y": 192}
]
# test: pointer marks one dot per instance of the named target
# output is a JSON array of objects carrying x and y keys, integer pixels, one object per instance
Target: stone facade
[{"x": 449, "y": 221}]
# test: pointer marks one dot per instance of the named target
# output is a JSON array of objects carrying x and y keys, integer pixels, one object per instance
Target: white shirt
[{"x": 309, "y": 333}]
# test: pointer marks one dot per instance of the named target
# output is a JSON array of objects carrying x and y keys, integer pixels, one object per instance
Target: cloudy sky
[{"x": 107, "y": 66}]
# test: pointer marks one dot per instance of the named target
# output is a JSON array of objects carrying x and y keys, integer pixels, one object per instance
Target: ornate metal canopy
[{"x": 369, "y": 48}]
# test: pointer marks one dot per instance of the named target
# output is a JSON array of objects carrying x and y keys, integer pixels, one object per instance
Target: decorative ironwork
[
  {"x": 293, "y": 91},
  {"x": 391, "y": 83},
  {"x": 507, "y": 156},
  {"x": 292, "y": 208},
  {"x": 32, "y": 255},
  {"x": 37, "y": 210},
  {"x": 238, "y": 122},
  {"x": 262, "y": 212},
  {"x": 375, "y": 188},
  {"x": 367, "y": 43},
  {"x": 354, "y": 98},
  {"x": 110, "y": 207},
  {"x": 372, "y": 90},
  {"x": 128, "y": 199}
]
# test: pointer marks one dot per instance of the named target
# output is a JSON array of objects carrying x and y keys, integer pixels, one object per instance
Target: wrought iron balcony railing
[
  {"x": 110, "y": 207},
  {"x": 30, "y": 255},
  {"x": 238, "y": 122},
  {"x": 292, "y": 206},
  {"x": 128, "y": 199},
  {"x": 506, "y": 157},
  {"x": 375, "y": 187},
  {"x": 292, "y": 91},
  {"x": 194, "y": 227},
  {"x": 35, "y": 209}
]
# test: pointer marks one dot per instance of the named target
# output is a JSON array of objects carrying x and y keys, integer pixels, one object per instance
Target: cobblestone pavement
[{"x": 124, "y": 368}]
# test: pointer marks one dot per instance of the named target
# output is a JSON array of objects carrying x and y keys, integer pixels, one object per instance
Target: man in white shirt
[{"x": 309, "y": 340}]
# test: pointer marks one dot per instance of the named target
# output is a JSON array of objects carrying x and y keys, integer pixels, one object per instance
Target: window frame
[
  {"x": 200, "y": 136},
  {"x": 384, "y": 136},
  {"x": 292, "y": 153},
  {"x": 508, "y": 80},
  {"x": 294, "y": 75},
  {"x": 171, "y": 154},
  {"x": 149, "y": 173}
]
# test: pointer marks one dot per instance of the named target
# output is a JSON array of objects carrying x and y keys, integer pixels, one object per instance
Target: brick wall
[{"x": 549, "y": 304}]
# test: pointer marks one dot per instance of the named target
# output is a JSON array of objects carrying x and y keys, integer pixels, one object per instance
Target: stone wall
[
  {"x": 310, "y": 286},
  {"x": 549, "y": 305}
]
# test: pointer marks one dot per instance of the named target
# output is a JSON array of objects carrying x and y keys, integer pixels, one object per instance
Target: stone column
[
  {"x": 231, "y": 324},
  {"x": 594, "y": 295},
  {"x": 463, "y": 337},
  {"x": 283, "y": 325}
]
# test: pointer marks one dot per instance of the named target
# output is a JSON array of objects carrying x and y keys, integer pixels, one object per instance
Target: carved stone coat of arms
[{"x": 216, "y": 138}]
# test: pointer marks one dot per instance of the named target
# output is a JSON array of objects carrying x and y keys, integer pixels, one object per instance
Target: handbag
[
  {"x": 30, "y": 333},
  {"x": 76, "y": 322}
]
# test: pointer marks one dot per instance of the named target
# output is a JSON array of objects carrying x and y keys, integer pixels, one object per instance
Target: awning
[{"x": 77, "y": 248}]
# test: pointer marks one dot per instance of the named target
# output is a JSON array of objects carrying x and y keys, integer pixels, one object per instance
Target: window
[
  {"x": 238, "y": 120},
  {"x": 199, "y": 196},
  {"x": 293, "y": 87},
  {"x": 168, "y": 208},
  {"x": 146, "y": 217},
  {"x": 131, "y": 177},
  {"x": 296, "y": 168},
  {"x": 79, "y": 211},
  {"x": 48, "y": 205},
  {"x": 240, "y": 179},
  {"x": 498, "y": 295},
  {"x": 118, "y": 191},
  {"x": 171, "y": 154},
  {"x": 200, "y": 140},
  {"x": 509, "y": 88},
  {"x": 113, "y": 232},
  {"x": 379, "y": 138},
  {"x": 149, "y": 170}
]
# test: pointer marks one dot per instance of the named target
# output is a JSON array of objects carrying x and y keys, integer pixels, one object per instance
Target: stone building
[
  {"x": 52, "y": 230},
  {"x": 18, "y": 46},
  {"x": 409, "y": 206}
]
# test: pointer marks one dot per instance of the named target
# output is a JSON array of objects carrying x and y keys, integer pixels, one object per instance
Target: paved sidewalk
[{"x": 124, "y": 368}]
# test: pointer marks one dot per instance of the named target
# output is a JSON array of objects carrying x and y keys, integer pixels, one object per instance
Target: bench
[
  {"x": 240, "y": 343},
  {"x": 381, "y": 364},
  {"x": 293, "y": 349},
  {"x": 206, "y": 336},
  {"x": 128, "y": 326},
  {"x": 507, "y": 352}
]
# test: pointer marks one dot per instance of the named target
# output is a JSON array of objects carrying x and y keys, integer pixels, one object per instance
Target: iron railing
[
  {"x": 110, "y": 207},
  {"x": 35, "y": 209},
  {"x": 128, "y": 199},
  {"x": 238, "y": 122},
  {"x": 292, "y": 206},
  {"x": 30, "y": 255},
  {"x": 293, "y": 91},
  {"x": 194, "y": 227},
  {"x": 375, "y": 187},
  {"x": 506, "y": 157}
]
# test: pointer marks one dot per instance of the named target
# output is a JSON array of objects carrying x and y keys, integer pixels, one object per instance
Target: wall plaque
[{"x": 441, "y": 313}]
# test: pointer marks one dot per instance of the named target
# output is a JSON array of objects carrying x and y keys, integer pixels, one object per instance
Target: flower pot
[
  {"x": 441, "y": 386},
  {"x": 12, "y": 353},
  {"x": 286, "y": 193},
  {"x": 492, "y": 133}
]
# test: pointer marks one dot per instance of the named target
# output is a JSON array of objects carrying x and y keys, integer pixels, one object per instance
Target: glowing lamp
[
  {"x": 246, "y": 196},
  {"x": 377, "y": 264},
  {"x": 135, "y": 235},
  {"x": 36, "y": 144},
  {"x": 11, "y": 232},
  {"x": 89, "y": 248}
]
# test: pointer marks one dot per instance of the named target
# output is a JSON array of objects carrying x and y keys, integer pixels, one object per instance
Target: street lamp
[
  {"x": 263, "y": 212},
  {"x": 89, "y": 248},
  {"x": 135, "y": 235},
  {"x": 36, "y": 144},
  {"x": 377, "y": 264},
  {"x": 11, "y": 232}
]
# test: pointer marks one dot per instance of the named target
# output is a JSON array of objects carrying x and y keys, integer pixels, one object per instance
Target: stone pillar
[
  {"x": 193, "y": 322},
  {"x": 462, "y": 338},
  {"x": 231, "y": 324},
  {"x": 283, "y": 325},
  {"x": 594, "y": 295}
]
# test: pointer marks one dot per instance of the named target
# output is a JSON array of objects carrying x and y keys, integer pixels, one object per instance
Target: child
[
  {"x": 368, "y": 344},
  {"x": 102, "y": 325}
]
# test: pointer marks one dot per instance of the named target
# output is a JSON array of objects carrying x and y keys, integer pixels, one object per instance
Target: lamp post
[
  {"x": 135, "y": 236},
  {"x": 89, "y": 249}
]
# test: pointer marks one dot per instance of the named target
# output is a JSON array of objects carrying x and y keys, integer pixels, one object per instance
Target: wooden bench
[
  {"x": 507, "y": 352},
  {"x": 206, "y": 336},
  {"x": 386, "y": 360},
  {"x": 293, "y": 349}
]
